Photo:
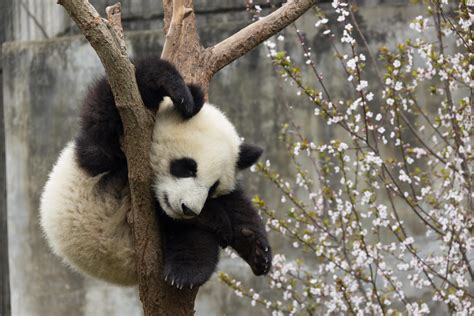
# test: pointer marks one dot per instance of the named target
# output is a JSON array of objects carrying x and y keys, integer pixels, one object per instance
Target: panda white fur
[
  {"x": 195, "y": 156},
  {"x": 210, "y": 140},
  {"x": 87, "y": 229}
]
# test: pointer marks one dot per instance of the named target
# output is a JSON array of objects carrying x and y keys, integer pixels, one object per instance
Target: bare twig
[
  {"x": 366, "y": 44},
  {"x": 35, "y": 20}
]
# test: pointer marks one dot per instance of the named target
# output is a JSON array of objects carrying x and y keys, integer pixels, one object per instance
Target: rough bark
[{"x": 197, "y": 64}]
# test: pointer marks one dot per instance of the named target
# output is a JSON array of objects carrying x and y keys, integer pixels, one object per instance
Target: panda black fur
[{"x": 195, "y": 156}]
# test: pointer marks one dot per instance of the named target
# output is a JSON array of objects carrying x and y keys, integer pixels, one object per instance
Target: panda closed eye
[
  {"x": 187, "y": 168},
  {"x": 183, "y": 168}
]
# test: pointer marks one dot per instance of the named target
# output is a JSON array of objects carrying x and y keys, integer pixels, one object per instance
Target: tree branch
[{"x": 249, "y": 37}]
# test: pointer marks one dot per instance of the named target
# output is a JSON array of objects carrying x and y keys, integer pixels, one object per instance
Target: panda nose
[{"x": 187, "y": 211}]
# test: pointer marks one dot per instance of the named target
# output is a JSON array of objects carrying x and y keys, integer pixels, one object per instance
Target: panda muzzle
[{"x": 187, "y": 211}]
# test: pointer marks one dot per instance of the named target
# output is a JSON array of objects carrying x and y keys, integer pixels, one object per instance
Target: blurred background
[{"x": 46, "y": 67}]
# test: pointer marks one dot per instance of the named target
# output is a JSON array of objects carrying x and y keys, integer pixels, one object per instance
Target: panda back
[{"x": 85, "y": 226}]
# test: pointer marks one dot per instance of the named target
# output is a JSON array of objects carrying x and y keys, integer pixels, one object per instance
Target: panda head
[{"x": 195, "y": 159}]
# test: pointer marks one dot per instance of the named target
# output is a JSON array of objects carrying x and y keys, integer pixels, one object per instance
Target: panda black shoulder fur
[{"x": 196, "y": 155}]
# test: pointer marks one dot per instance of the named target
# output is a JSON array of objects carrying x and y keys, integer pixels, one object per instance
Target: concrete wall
[
  {"x": 4, "y": 267},
  {"x": 44, "y": 81},
  {"x": 43, "y": 19},
  {"x": 42, "y": 94}
]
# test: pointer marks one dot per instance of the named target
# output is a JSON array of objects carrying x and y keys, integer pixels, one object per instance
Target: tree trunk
[{"x": 197, "y": 65}]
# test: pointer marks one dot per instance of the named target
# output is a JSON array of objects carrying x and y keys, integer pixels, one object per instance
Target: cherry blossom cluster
[{"x": 379, "y": 216}]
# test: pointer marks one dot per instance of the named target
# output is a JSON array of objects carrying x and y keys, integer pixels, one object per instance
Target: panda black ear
[{"x": 248, "y": 155}]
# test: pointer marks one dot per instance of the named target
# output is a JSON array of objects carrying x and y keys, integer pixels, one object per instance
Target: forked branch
[{"x": 198, "y": 64}]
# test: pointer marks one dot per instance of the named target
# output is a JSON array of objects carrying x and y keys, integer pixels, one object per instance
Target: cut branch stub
[
  {"x": 174, "y": 34},
  {"x": 114, "y": 20}
]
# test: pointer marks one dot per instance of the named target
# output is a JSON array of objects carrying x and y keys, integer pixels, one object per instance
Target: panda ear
[{"x": 248, "y": 155}]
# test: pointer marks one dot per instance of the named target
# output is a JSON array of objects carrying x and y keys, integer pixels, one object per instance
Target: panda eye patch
[
  {"x": 183, "y": 168},
  {"x": 213, "y": 188}
]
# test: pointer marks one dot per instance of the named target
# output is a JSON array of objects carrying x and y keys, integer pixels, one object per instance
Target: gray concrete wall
[
  {"x": 4, "y": 267},
  {"x": 41, "y": 19},
  {"x": 44, "y": 81},
  {"x": 42, "y": 94}
]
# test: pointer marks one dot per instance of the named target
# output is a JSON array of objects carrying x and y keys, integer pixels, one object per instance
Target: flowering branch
[{"x": 383, "y": 210}]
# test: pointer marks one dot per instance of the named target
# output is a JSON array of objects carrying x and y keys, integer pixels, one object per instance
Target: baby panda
[{"x": 196, "y": 155}]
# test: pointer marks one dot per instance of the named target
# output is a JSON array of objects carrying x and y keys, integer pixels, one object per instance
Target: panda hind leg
[
  {"x": 252, "y": 245},
  {"x": 235, "y": 221},
  {"x": 190, "y": 256}
]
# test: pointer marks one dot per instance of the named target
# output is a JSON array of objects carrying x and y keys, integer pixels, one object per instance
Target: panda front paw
[
  {"x": 185, "y": 107},
  {"x": 253, "y": 247},
  {"x": 187, "y": 275},
  {"x": 188, "y": 101}
]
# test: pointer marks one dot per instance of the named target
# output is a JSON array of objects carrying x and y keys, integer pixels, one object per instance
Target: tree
[
  {"x": 381, "y": 214},
  {"x": 197, "y": 64}
]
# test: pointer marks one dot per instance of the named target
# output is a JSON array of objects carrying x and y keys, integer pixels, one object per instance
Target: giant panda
[{"x": 196, "y": 156}]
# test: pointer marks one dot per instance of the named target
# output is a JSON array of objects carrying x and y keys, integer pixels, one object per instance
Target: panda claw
[
  {"x": 191, "y": 287},
  {"x": 247, "y": 232},
  {"x": 172, "y": 282}
]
